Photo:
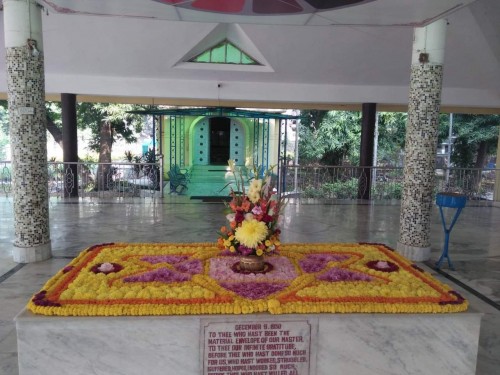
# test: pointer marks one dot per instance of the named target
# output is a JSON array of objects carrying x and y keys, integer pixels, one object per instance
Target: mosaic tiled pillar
[
  {"x": 496, "y": 194},
  {"x": 421, "y": 142},
  {"x": 28, "y": 133}
]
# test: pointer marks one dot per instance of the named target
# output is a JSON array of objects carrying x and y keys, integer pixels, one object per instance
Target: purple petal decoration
[
  {"x": 341, "y": 274},
  {"x": 243, "y": 250},
  {"x": 193, "y": 267},
  {"x": 317, "y": 262},
  {"x": 171, "y": 259},
  {"x": 161, "y": 274},
  {"x": 459, "y": 299},
  {"x": 228, "y": 253},
  {"x": 254, "y": 290},
  {"x": 40, "y": 299},
  {"x": 40, "y": 295}
]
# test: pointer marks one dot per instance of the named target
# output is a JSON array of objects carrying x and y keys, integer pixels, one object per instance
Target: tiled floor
[{"x": 75, "y": 225}]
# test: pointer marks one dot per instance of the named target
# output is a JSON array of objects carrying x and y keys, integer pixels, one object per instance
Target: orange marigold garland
[{"x": 182, "y": 279}]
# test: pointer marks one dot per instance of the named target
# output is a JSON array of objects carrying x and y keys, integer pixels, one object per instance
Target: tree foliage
[
  {"x": 124, "y": 125},
  {"x": 476, "y": 137},
  {"x": 391, "y": 136},
  {"x": 4, "y": 129},
  {"x": 108, "y": 123},
  {"x": 329, "y": 137},
  {"x": 332, "y": 137}
]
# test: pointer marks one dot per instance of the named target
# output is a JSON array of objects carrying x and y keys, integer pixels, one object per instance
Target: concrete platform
[{"x": 322, "y": 344}]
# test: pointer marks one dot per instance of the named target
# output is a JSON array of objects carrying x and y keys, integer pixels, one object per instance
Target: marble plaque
[{"x": 256, "y": 347}]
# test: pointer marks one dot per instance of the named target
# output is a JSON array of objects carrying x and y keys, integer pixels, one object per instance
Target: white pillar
[
  {"x": 22, "y": 21},
  {"x": 421, "y": 141},
  {"x": 28, "y": 130},
  {"x": 430, "y": 40}
]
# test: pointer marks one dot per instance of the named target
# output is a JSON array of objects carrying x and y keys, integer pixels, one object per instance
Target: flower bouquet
[{"x": 253, "y": 217}]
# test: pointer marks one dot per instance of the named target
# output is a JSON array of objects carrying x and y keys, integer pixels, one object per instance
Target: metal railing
[
  {"x": 334, "y": 182},
  {"x": 95, "y": 180},
  {"x": 5, "y": 178},
  {"x": 110, "y": 180}
]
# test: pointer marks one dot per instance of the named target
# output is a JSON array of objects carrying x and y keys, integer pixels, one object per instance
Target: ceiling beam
[{"x": 256, "y": 104}]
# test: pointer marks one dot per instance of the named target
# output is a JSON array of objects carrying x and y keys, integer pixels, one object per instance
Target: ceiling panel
[{"x": 294, "y": 12}]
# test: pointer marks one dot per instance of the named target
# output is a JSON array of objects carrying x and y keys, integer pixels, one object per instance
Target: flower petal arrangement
[
  {"x": 253, "y": 214},
  {"x": 181, "y": 279}
]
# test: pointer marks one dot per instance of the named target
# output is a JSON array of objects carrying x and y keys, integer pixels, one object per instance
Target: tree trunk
[
  {"x": 55, "y": 131},
  {"x": 477, "y": 175},
  {"x": 104, "y": 171},
  {"x": 481, "y": 155},
  {"x": 87, "y": 176}
]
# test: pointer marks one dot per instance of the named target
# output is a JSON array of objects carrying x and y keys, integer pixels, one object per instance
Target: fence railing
[
  {"x": 333, "y": 182},
  {"x": 108, "y": 180},
  {"x": 99, "y": 180}
]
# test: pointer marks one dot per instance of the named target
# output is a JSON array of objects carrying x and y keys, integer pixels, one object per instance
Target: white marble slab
[
  {"x": 445, "y": 344},
  {"x": 258, "y": 346}
]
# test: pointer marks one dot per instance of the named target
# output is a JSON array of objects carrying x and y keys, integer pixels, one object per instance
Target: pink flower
[
  {"x": 382, "y": 264},
  {"x": 106, "y": 267},
  {"x": 257, "y": 210}
]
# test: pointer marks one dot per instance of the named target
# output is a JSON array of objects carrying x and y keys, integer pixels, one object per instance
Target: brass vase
[{"x": 252, "y": 263}]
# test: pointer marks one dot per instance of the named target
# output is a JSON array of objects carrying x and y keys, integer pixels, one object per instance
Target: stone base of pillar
[
  {"x": 417, "y": 254},
  {"x": 32, "y": 254}
]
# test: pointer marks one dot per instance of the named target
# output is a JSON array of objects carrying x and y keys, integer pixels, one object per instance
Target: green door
[
  {"x": 237, "y": 143},
  {"x": 201, "y": 143}
]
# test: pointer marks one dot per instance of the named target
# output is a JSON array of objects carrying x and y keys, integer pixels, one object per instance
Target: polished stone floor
[{"x": 75, "y": 225}]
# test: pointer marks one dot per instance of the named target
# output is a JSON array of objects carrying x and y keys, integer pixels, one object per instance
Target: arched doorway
[
  {"x": 220, "y": 135},
  {"x": 218, "y": 139}
]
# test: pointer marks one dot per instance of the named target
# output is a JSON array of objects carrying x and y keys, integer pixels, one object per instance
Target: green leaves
[
  {"x": 476, "y": 137},
  {"x": 124, "y": 125},
  {"x": 391, "y": 135},
  {"x": 329, "y": 137}
]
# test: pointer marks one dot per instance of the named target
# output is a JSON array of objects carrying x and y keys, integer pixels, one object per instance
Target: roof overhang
[
  {"x": 217, "y": 112},
  {"x": 130, "y": 49}
]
